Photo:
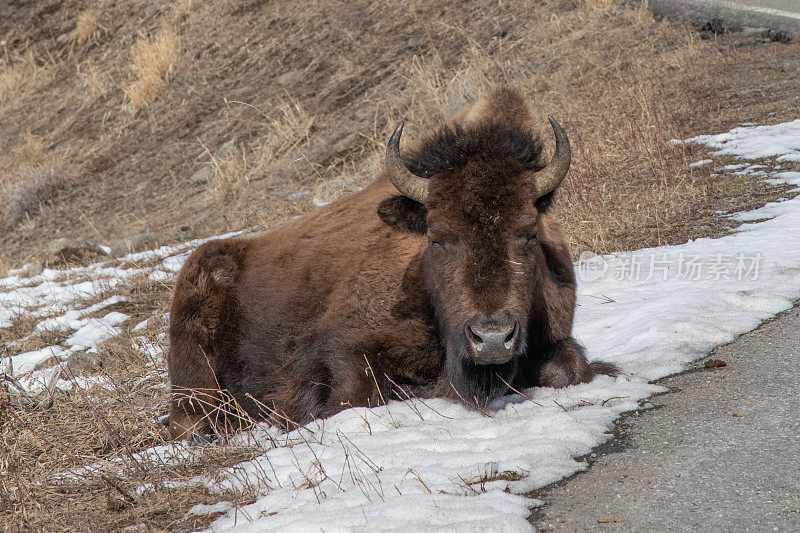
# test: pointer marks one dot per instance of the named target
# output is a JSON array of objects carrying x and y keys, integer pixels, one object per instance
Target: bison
[{"x": 446, "y": 276}]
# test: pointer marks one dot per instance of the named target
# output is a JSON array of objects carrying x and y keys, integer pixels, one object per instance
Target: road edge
[
  {"x": 727, "y": 15},
  {"x": 620, "y": 439}
]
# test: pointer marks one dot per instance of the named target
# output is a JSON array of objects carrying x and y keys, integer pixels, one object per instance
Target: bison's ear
[
  {"x": 543, "y": 203},
  {"x": 404, "y": 214}
]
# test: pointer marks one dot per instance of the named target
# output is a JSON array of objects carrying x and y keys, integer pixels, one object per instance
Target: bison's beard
[{"x": 477, "y": 384}]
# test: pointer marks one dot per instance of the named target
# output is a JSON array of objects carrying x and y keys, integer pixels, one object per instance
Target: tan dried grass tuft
[
  {"x": 15, "y": 73},
  {"x": 230, "y": 173},
  {"x": 32, "y": 150},
  {"x": 289, "y": 126},
  {"x": 87, "y": 26},
  {"x": 92, "y": 80},
  {"x": 153, "y": 62}
]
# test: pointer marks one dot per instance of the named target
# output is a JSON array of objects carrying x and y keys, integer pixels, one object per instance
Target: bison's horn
[
  {"x": 547, "y": 179},
  {"x": 407, "y": 183}
]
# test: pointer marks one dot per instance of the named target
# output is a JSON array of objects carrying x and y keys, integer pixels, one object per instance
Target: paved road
[
  {"x": 778, "y": 15},
  {"x": 721, "y": 452}
]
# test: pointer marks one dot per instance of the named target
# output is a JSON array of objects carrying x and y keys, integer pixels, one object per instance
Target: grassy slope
[{"x": 335, "y": 79}]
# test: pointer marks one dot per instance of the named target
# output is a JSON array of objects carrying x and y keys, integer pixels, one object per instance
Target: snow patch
[
  {"x": 96, "y": 330},
  {"x": 781, "y": 141},
  {"x": 26, "y": 362}
]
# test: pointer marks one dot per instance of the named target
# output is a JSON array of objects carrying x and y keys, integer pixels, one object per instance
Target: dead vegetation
[
  {"x": 303, "y": 96},
  {"x": 153, "y": 61},
  {"x": 17, "y": 71},
  {"x": 198, "y": 75},
  {"x": 33, "y": 187},
  {"x": 86, "y": 26}
]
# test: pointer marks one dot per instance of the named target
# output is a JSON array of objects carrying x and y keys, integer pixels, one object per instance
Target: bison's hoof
[{"x": 204, "y": 437}]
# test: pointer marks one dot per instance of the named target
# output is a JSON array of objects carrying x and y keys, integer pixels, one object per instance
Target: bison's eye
[
  {"x": 528, "y": 234},
  {"x": 440, "y": 238}
]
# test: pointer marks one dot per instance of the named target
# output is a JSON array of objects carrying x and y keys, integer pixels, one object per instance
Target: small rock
[
  {"x": 135, "y": 243},
  {"x": 28, "y": 270},
  {"x": 224, "y": 150},
  {"x": 63, "y": 250},
  {"x": 328, "y": 191},
  {"x": 715, "y": 363},
  {"x": 184, "y": 233},
  {"x": 416, "y": 40},
  {"x": 203, "y": 175},
  {"x": 34, "y": 268}
]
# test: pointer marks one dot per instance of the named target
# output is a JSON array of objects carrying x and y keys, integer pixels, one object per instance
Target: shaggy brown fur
[{"x": 377, "y": 290}]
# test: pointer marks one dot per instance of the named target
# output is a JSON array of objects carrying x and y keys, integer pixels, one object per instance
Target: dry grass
[
  {"x": 92, "y": 80},
  {"x": 288, "y": 127},
  {"x": 15, "y": 73},
  {"x": 590, "y": 63},
  {"x": 105, "y": 426},
  {"x": 33, "y": 187},
  {"x": 230, "y": 173},
  {"x": 87, "y": 26},
  {"x": 32, "y": 150},
  {"x": 153, "y": 62}
]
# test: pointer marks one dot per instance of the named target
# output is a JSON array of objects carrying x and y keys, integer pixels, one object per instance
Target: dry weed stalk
[
  {"x": 92, "y": 79},
  {"x": 290, "y": 128}
]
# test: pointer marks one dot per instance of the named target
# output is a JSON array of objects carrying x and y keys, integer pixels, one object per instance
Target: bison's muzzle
[{"x": 492, "y": 340}]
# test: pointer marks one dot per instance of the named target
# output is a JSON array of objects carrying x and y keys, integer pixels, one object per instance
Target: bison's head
[{"x": 483, "y": 190}]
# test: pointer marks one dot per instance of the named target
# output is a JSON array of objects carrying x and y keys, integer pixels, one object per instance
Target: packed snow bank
[{"x": 435, "y": 465}]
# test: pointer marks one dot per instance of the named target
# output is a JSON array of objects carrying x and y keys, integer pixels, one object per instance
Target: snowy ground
[{"x": 437, "y": 465}]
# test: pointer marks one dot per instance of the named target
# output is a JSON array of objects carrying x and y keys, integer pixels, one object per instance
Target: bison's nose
[{"x": 492, "y": 342}]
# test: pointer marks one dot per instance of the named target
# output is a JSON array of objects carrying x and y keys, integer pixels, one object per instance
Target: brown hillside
[{"x": 129, "y": 99}]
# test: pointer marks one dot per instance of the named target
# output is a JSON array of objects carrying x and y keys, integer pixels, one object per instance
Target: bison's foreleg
[
  {"x": 330, "y": 370},
  {"x": 563, "y": 363}
]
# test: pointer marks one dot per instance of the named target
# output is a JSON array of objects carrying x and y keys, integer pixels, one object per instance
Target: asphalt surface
[
  {"x": 720, "y": 452},
  {"x": 777, "y": 15}
]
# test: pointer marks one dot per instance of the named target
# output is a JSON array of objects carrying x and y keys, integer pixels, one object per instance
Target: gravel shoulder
[{"x": 719, "y": 452}]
